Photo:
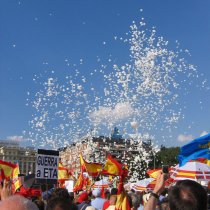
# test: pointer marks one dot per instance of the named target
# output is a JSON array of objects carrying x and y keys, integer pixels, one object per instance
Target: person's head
[
  {"x": 60, "y": 193},
  {"x": 39, "y": 204},
  {"x": 163, "y": 205},
  {"x": 17, "y": 202},
  {"x": 60, "y": 204},
  {"x": 114, "y": 191},
  {"x": 132, "y": 190},
  {"x": 187, "y": 195}
]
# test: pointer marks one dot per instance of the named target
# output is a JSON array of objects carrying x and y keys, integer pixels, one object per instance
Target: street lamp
[{"x": 154, "y": 160}]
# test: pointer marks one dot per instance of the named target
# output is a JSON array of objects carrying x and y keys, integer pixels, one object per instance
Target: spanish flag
[
  {"x": 79, "y": 184},
  {"x": 122, "y": 199},
  {"x": 87, "y": 183},
  {"x": 114, "y": 168},
  {"x": 17, "y": 184},
  {"x": 93, "y": 169},
  {"x": 154, "y": 173},
  {"x": 63, "y": 173},
  {"x": 15, "y": 179},
  {"x": 6, "y": 169}
]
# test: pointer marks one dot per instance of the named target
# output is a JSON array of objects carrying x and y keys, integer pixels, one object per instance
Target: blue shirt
[{"x": 98, "y": 203}]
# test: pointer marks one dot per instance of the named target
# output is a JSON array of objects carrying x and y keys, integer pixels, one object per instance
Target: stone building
[
  {"x": 115, "y": 145},
  {"x": 70, "y": 156},
  {"x": 11, "y": 151}
]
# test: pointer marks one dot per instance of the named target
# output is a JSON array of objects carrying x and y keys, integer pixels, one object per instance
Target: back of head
[
  {"x": 39, "y": 204},
  {"x": 60, "y": 204},
  {"x": 60, "y": 193},
  {"x": 114, "y": 191},
  {"x": 187, "y": 195},
  {"x": 163, "y": 205},
  {"x": 17, "y": 203}
]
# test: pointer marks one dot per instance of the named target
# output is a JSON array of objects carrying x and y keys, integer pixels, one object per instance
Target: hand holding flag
[{"x": 5, "y": 190}]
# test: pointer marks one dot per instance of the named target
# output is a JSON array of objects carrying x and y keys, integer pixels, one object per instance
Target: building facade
[
  {"x": 11, "y": 151},
  {"x": 121, "y": 149}
]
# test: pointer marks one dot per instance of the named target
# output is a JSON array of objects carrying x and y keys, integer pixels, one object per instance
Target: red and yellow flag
[
  {"x": 79, "y": 184},
  {"x": 153, "y": 173},
  {"x": 93, "y": 169},
  {"x": 6, "y": 169},
  {"x": 15, "y": 179},
  {"x": 63, "y": 173},
  {"x": 87, "y": 183},
  {"x": 17, "y": 184},
  {"x": 114, "y": 168},
  {"x": 122, "y": 199}
]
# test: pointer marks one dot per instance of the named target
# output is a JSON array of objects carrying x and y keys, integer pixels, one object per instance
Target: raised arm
[{"x": 154, "y": 196}]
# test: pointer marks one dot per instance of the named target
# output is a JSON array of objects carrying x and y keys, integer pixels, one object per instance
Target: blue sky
[{"x": 38, "y": 36}]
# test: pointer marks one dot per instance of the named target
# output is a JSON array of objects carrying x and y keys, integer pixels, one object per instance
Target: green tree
[{"x": 167, "y": 156}]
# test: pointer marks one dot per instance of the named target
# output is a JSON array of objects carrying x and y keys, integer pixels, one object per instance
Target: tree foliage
[{"x": 167, "y": 156}]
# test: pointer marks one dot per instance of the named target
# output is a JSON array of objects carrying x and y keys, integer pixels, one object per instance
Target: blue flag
[{"x": 198, "y": 148}]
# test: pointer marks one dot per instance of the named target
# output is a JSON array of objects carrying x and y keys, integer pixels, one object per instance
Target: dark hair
[
  {"x": 71, "y": 195},
  {"x": 114, "y": 191},
  {"x": 39, "y": 204},
  {"x": 132, "y": 190},
  {"x": 163, "y": 204},
  {"x": 63, "y": 204},
  {"x": 135, "y": 200},
  {"x": 107, "y": 195},
  {"x": 187, "y": 195},
  {"x": 60, "y": 193},
  {"x": 165, "y": 191}
]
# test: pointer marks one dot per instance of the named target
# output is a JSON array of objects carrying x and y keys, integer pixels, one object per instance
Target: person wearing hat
[{"x": 83, "y": 201}]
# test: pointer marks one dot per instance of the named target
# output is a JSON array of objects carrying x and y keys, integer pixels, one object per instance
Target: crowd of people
[{"x": 184, "y": 195}]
